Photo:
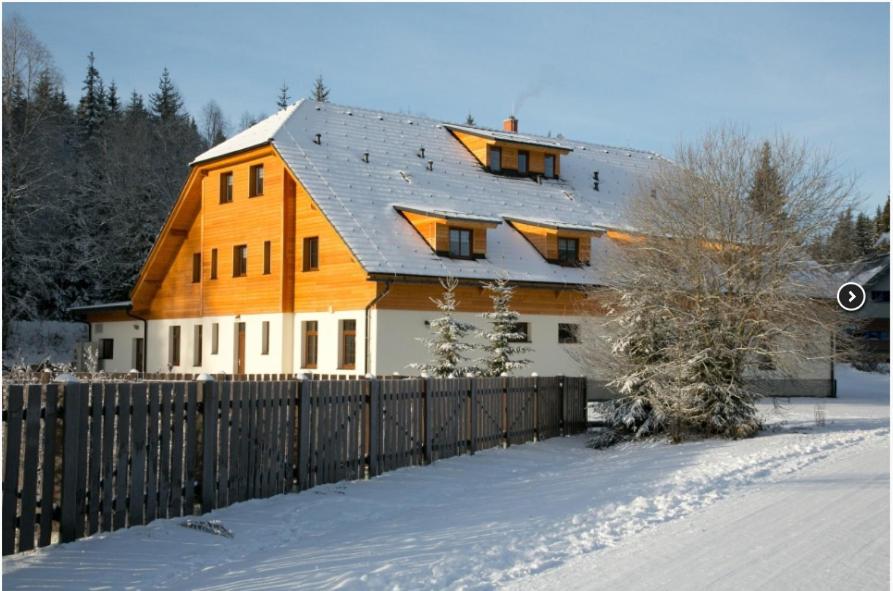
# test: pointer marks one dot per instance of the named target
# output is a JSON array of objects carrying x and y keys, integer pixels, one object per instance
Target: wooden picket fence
[{"x": 82, "y": 458}]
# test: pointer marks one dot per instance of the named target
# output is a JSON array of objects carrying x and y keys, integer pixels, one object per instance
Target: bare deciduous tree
[
  {"x": 716, "y": 285},
  {"x": 213, "y": 124}
]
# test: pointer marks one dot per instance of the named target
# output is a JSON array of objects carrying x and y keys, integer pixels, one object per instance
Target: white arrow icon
[{"x": 852, "y": 297}]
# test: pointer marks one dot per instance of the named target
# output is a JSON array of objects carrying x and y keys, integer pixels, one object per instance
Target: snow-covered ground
[
  {"x": 802, "y": 506},
  {"x": 36, "y": 341}
]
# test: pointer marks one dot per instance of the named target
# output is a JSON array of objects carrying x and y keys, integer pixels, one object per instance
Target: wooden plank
[
  {"x": 374, "y": 426},
  {"x": 169, "y": 494},
  {"x": 246, "y": 425},
  {"x": 224, "y": 390},
  {"x": 81, "y": 494},
  {"x": 95, "y": 467},
  {"x": 121, "y": 480},
  {"x": 303, "y": 434},
  {"x": 137, "y": 505},
  {"x": 48, "y": 476},
  {"x": 11, "y": 460},
  {"x": 234, "y": 440},
  {"x": 275, "y": 441},
  {"x": 209, "y": 445},
  {"x": 30, "y": 469},
  {"x": 429, "y": 420},
  {"x": 109, "y": 411},
  {"x": 251, "y": 442},
  {"x": 292, "y": 435},
  {"x": 154, "y": 416},
  {"x": 71, "y": 434},
  {"x": 191, "y": 396}
]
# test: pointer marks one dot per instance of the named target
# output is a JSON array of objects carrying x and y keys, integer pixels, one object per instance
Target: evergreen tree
[
  {"x": 882, "y": 218},
  {"x": 841, "y": 246},
  {"x": 447, "y": 346},
  {"x": 282, "y": 101},
  {"x": 767, "y": 195},
  {"x": 500, "y": 348},
  {"x": 320, "y": 92},
  {"x": 469, "y": 119},
  {"x": 113, "y": 102},
  {"x": 136, "y": 107},
  {"x": 865, "y": 236},
  {"x": 92, "y": 106},
  {"x": 167, "y": 102}
]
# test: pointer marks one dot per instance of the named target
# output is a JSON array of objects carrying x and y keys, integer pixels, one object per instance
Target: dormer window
[
  {"x": 568, "y": 251},
  {"x": 460, "y": 243},
  {"x": 549, "y": 166},
  {"x": 495, "y": 159},
  {"x": 523, "y": 158}
]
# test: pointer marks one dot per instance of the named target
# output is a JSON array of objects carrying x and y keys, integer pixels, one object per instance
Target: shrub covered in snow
[
  {"x": 500, "y": 342},
  {"x": 447, "y": 345}
]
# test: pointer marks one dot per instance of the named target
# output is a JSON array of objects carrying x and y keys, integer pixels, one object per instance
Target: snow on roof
[
  {"x": 557, "y": 224},
  {"x": 358, "y": 196},
  {"x": 512, "y": 136},
  {"x": 865, "y": 271},
  {"x": 103, "y": 306},
  {"x": 447, "y": 214},
  {"x": 256, "y": 135}
]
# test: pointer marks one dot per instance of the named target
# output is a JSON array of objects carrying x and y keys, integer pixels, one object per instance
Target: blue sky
[{"x": 647, "y": 76}]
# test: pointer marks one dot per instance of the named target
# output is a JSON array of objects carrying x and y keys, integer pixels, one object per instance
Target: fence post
[
  {"x": 427, "y": 387},
  {"x": 208, "y": 393},
  {"x": 563, "y": 423},
  {"x": 536, "y": 406},
  {"x": 71, "y": 416},
  {"x": 374, "y": 425},
  {"x": 505, "y": 410},
  {"x": 304, "y": 386},
  {"x": 472, "y": 415}
]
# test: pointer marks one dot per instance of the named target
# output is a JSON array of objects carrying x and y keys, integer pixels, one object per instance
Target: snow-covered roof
[
  {"x": 100, "y": 307},
  {"x": 864, "y": 272},
  {"x": 447, "y": 214},
  {"x": 359, "y": 197}
]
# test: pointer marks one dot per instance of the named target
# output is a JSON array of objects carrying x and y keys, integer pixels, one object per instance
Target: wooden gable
[
  {"x": 435, "y": 227},
  {"x": 544, "y": 238},
  {"x": 479, "y": 146}
]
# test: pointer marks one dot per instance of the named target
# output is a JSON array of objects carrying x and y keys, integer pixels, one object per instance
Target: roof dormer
[
  {"x": 509, "y": 153},
  {"x": 450, "y": 233},
  {"x": 559, "y": 243}
]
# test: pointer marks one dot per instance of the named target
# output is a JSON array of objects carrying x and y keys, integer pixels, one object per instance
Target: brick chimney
[{"x": 510, "y": 124}]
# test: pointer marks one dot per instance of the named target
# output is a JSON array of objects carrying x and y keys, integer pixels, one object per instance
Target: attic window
[
  {"x": 460, "y": 243},
  {"x": 568, "y": 251},
  {"x": 494, "y": 160},
  {"x": 549, "y": 166},
  {"x": 523, "y": 157}
]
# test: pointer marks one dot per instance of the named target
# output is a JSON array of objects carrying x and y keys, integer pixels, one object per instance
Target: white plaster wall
[
  {"x": 396, "y": 346},
  {"x": 123, "y": 333},
  {"x": 329, "y": 343},
  {"x": 224, "y": 360}
]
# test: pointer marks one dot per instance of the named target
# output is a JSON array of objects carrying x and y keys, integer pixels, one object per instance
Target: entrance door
[
  {"x": 138, "y": 354},
  {"x": 240, "y": 349}
]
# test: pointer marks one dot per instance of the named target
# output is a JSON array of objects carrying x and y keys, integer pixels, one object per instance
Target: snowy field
[{"x": 802, "y": 506}]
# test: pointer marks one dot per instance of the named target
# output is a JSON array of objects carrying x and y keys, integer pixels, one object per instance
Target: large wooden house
[{"x": 314, "y": 241}]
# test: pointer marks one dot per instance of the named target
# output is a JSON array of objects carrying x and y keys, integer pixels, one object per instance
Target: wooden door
[
  {"x": 138, "y": 354},
  {"x": 240, "y": 349}
]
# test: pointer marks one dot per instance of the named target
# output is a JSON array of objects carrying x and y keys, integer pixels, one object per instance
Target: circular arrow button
[{"x": 851, "y": 296}]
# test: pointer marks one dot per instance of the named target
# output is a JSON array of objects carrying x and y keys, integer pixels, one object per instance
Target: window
[
  {"x": 139, "y": 347},
  {"x": 880, "y": 296},
  {"x": 460, "y": 243},
  {"x": 106, "y": 348},
  {"x": 311, "y": 343},
  {"x": 197, "y": 346},
  {"x": 568, "y": 333},
  {"x": 265, "y": 338},
  {"x": 174, "y": 345},
  {"x": 549, "y": 166},
  {"x": 568, "y": 249},
  {"x": 213, "y": 263},
  {"x": 522, "y": 162},
  {"x": 267, "y": 247},
  {"x": 215, "y": 336},
  {"x": 256, "y": 187},
  {"x": 240, "y": 260},
  {"x": 522, "y": 329},
  {"x": 226, "y": 187},
  {"x": 495, "y": 159},
  {"x": 311, "y": 253},
  {"x": 348, "y": 344},
  {"x": 196, "y": 267}
]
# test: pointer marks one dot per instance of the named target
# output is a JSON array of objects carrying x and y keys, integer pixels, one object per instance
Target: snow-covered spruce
[
  {"x": 447, "y": 345},
  {"x": 500, "y": 348}
]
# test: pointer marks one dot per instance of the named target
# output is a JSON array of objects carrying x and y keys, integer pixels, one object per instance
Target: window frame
[
  {"x": 526, "y": 155},
  {"x": 175, "y": 342},
  {"x": 268, "y": 250},
  {"x": 254, "y": 179},
  {"x": 226, "y": 187},
  {"x": 240, "y": 263},
  {"x": 566, "y": 262},
  {"x": 311, "y": 332},
  {"x": 461, "y": 231},
  {"x": 104, "y": 344},
  {"x": 310, "y": 253},
  {"x": 490, "y": 151},
  {"x": 573, "y": 330},
  {"x": 196, "y": 267},
  {"x": 197, "y": 345},
  {"x": 546, "y": 158},
  {"x": 265, "y": 337},
  {"x": 526, "y": 332},
  {"x": 213, "y": 263},
  {"x": 347, "y": 336},
  {"x": 215, "y": 338}
]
